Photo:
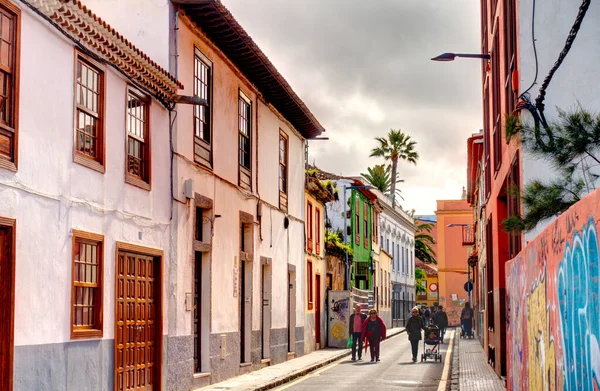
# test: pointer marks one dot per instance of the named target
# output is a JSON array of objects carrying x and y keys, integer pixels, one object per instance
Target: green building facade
[{"x": 361, "y": 225}]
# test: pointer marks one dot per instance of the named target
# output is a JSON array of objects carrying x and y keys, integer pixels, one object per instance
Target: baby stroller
[{"x": 432, "y": 338}]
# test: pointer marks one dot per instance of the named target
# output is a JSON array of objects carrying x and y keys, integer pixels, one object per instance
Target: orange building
[{"x": 453, "y": 217}]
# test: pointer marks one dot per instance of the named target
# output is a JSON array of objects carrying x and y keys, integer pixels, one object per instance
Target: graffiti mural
[{"x": 553, "y": 299}]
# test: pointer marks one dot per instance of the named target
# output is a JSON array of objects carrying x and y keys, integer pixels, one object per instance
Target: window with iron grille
[
  {"x": 89, "y": 107},
  {"x": 138, "y": 139},
  {"x": 9, "y": 45},
  {"x": 202, "y": 114},
  {"x": 86, "y": 296}
]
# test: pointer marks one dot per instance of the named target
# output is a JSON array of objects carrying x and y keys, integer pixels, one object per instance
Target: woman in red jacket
[{"x": 374, "y": 331}]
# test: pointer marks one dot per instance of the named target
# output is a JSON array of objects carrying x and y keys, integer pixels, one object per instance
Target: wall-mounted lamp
[{"x": 452, "y": 56}]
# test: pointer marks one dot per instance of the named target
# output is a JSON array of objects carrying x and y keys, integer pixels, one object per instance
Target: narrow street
[{"x": 395, "y": 371}]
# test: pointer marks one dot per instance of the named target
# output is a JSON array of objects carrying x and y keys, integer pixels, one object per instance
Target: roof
[
  {"x": 219, "y": 25},
  {"x": 92, "y": 33},
  {"x": 428, "y": 218},
  {"x": 429, "y": 269}
]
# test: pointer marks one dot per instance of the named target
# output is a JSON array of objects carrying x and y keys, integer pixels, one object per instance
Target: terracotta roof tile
[{"x": 93, "y": 33}]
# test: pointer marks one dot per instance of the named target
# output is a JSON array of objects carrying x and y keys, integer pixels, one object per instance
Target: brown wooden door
[
  {"x": 6, "y": 308},
  {"x": 136, "y": 321}
]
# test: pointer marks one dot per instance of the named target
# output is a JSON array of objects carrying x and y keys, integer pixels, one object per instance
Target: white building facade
[
  {"x": 85, "y": 216},
  {"x": 397, "y": 238}
]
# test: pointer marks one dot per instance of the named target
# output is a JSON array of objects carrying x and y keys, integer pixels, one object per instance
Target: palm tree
[
  {"x": 423, "y": 243},
  {"x": 397, "y": 146},
  {"x": 420, "y": 276},
  {"x": 380, "y": 177}
]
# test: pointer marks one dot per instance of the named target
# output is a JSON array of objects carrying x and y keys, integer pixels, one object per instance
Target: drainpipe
[
  {"x": 258, "y": 208},
  {"x": 172, "y": 108}
]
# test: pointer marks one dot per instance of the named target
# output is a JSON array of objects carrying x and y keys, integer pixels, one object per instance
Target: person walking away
[
  {"x": 374, "y": 331},
  {"x": 426, "y": 315},
  {"x": 466, "y": 319},
  {"x": 355, "y": 331},
  {"x": 440, "y": 319},
  {"x": 413, "y": 330}
]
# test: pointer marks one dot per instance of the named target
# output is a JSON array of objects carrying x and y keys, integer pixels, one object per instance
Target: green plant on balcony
[
  {"x": 334, "y": 244},
  {"x": 419, "y": 277}
]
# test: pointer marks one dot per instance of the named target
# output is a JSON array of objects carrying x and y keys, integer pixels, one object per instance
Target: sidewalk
[
  {"x": 474, "y": 373},
  {"x": 279, "y": 374}
]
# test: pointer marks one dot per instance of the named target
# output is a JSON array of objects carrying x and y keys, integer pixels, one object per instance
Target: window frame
[
  {"x": 129, "y": 177},
  {"x": 317, "y": 223},
  {"x": 11, "y": 163},
  {"x": 83, "y": 332},
  {"x": 309, "y": 282},
  {"x": 98, "y": 164},
  {"x": 242, "y": 169},
  {"x": 366, "y": 225},
  {"x": 283, "y": 193},
  {"x": 309, "y": 223},
  {"x": 199, "y": 141}
]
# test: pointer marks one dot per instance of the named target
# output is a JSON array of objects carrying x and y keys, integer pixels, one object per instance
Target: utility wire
[{"x": 539, "y": 101}]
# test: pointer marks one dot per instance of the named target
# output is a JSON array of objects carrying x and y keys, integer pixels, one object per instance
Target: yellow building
[
  {"x": 431, "y": 284},
  {"x": 317, "y": 194},
  {"x": 383, "y": 286}
]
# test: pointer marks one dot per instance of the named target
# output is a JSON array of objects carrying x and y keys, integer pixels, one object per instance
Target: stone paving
[{"x": 474, "y": 373}]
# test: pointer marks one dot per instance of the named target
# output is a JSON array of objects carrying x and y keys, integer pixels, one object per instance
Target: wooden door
[
  {"x": 136, "y": 322},
  {"x": 318, "y": 310},
  {"x": 6, "y": 307}
]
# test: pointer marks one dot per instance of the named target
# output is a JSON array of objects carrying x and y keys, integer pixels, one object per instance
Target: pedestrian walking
[
  {"x": 374, "y": 331},
  {"x": 413, "y": 329},
  {"x": 440, "y": 319},
  {"x": 426, "y": 316},
  {"x": 355, "y": 331},
  {"x": 466, "y": 320}
]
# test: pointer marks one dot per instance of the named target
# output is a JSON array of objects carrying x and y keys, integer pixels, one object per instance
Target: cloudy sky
[{"x": 363, "y": 67}]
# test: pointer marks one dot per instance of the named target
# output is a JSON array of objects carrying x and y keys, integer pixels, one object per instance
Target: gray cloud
[{"x": 364, "y": 67}]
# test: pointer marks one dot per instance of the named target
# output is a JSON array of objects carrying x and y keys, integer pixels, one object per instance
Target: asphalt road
[{"x": 395, "y": 371}]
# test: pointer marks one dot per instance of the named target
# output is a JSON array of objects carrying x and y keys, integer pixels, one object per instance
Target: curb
[
  {"x": 301, "y": 372},
  {"x": 454, "y": 382}
]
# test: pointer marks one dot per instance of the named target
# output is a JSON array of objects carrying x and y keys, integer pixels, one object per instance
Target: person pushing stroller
[{"x": 440, "y": 319}]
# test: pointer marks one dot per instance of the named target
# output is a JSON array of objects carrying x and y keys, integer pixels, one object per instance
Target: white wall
[
  {"x": 50, "y": 195},
  {"x": 575, "y": 81}
]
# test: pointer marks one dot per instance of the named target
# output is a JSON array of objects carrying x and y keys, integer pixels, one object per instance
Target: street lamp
[
  {"x": 346, "y": 285},
  {"x": 452, "y": 56},
  {"x": 468, "y": 265}
]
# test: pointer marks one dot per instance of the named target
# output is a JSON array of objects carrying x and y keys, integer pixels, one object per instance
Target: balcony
[{"x": 468, "y": 235}]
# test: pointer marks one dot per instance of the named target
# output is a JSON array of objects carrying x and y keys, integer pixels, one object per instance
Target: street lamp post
[
  {"x": 452, "y": 56},
  {"x": 346, "y": 282}
]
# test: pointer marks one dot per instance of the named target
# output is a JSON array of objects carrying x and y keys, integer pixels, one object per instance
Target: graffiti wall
[{"x": 553, "y": 297}]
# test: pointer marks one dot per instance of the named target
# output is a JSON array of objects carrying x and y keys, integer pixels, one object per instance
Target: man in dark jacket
[
  {"x": 413, "y": 329},
  {"x": 355, "y": 331},
  {"x": 440, "y": 319}
]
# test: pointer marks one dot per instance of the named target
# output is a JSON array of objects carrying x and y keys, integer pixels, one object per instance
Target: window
[
  {"x": 387, "y": 245},
  {"x": 374, "y": 227},
  {"x": 366, "y": 224},
  {"x": 202, "y": 117},
  {"x": 309, "y": 226},
  {"x": 89, "y": 113},
  {"x": 510, "y": 25},
  {"x": 486, "y": 142},
  {"x": 9, "y": 83},
  {"x": 245, "y": 135},
  {"x": 496, "y": 104},
  {"x": 283, "y": 170},
  {"x": 309, "y": 284},
  {"x": 357, "y": 221},
  {"x": 138, "y": 140},
  {"x": 489, "y": 274},
  {"x": 403, "y": 271},
  {"x": 514, "y": 208},
  {"x": 393, "y": 257},
  {"x": 86, "y": 294},
  {"x": 318, "y": 230}
]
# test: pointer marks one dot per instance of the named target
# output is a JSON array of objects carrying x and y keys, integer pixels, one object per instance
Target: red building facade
[{"x": 501, "y": 170}]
